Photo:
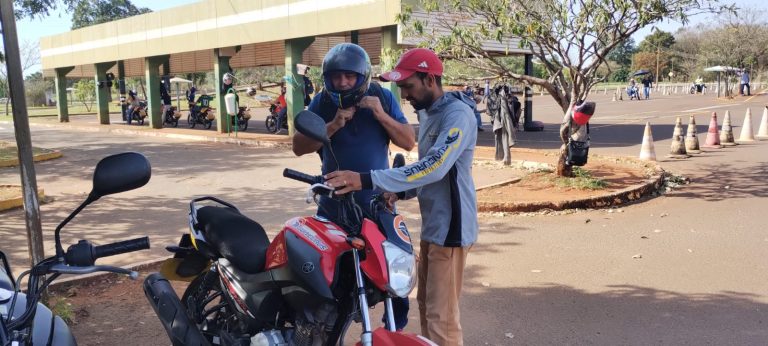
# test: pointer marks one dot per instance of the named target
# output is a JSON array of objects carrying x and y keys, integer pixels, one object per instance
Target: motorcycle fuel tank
[{"x": 311, "y": 247}]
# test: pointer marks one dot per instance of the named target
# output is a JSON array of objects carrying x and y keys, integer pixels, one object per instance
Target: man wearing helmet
[
  {"x": 442, "y": 180},
  {"x": 358, "y": 126}
]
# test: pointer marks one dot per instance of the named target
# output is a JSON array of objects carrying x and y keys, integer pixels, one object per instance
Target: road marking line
[{"x": 701, "y": 109}]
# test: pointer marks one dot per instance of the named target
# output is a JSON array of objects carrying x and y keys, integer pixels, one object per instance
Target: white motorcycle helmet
[{"x": 227, "y": 79}]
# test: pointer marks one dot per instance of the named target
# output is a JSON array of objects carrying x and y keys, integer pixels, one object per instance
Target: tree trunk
[{"x": 563, "y": 170}]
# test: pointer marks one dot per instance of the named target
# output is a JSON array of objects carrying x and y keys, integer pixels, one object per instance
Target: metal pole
[{"x": 21, "y": 130}]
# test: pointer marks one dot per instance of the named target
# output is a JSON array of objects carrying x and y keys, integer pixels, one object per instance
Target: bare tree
[
  {"x": 571, "y": 38},
  {"x": 739, "y": 39},
  {"x": 30, "y": 57}
]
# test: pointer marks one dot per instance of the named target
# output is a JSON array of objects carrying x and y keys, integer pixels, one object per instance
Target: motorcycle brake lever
[
  {"x": 311, "y": 192},
  {"x": 66, "y": 269}
]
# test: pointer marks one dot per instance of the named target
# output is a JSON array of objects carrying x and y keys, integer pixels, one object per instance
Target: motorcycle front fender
[{"x": 384, "y": 337}]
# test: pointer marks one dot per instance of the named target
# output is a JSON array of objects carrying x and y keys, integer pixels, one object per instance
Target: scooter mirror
[
  {"x": 118, "y": 173},
  {"x": 398, "y": 161},
  {"x": 312, "y": 126}
]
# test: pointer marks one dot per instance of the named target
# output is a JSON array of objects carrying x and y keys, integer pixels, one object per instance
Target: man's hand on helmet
[
  {"x": 374, "y": 104},
  {"x": 344, "y": 115}
]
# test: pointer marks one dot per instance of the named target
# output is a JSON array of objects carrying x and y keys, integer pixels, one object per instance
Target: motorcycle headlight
[{"x": 402, "y": 270}]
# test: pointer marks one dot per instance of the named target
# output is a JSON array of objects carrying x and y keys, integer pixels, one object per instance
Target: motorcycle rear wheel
[
  {"x": 191, "y": 121},
  {"x": 271, "y": 124},
  {"x": 208, "y": 322}
]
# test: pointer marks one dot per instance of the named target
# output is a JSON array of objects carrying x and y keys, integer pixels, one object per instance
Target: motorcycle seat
[{"x": 242, "y": 241}]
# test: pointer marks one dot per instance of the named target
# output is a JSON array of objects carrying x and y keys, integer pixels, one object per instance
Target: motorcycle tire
[
  {"x": 693, "y": 90},
  {"x": 243, "y": 125},
  {"x": 191, "y": 121},
  {"x": 141, "y": 121},
  {"x": 175, "y": 122},
  {"x": 271, "y": 124},
  {"x": 208, "y": 123}
]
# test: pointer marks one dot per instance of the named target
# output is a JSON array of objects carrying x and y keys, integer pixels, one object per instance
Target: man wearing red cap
[{"x": 442, "y": 180}]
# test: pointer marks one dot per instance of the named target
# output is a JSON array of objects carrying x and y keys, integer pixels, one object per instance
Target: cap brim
[{"x": 395, "y": 75}]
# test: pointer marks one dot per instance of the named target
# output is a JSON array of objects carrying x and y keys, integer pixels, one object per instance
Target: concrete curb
[
  {"x": 269, "y": 141},
  {"x": 652, "y": 183},
  {"x": 18, "y": 202},
  {"x": 54, "y": 154}
]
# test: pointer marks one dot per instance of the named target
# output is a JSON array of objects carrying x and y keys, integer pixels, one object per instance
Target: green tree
[
  {"x": 572, "y": 39},
  {"x": 658, "y": 39},
  {"x": 85, "y": 91},
  {"x": 92, "y": 12},
  {"x": 622, "y": 54},
  {"x": 41, "y": 8},
  {"x": 35, "y": 88}
]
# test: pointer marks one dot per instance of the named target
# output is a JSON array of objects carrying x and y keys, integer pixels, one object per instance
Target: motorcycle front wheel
[
  {"x": 175, "y": 122},
  {"x": 191, "y": 121},
  {"x": 208, "y": 123},
  {"x": 243, "y": 125},
  {"x": 271, "y": 124}
]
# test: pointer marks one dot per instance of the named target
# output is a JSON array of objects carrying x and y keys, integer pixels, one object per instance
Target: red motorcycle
[{"x": 306, "y": 287}]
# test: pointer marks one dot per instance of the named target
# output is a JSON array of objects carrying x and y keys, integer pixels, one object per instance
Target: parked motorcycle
[
  {"x": 241, "y": 120},
  {"x": 271, "y": 122},
  {"x": 697, "y": 88},
  {"x": 201, "y": 113},
  {"x": 139, "y": 113},
  {"x": 306, "y": 287},
  {"x": 171, "y": 116},
  {"x": 25, "y": 321}
]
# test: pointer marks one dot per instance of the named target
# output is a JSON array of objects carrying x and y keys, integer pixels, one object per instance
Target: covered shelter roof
[{"x": 259, "y": 28}]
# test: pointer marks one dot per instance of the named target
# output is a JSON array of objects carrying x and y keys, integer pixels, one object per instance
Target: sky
[{"x": 59, "y": 22}]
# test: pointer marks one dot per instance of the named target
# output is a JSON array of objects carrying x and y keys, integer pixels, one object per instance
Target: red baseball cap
[{"x": 414, "y": 60}]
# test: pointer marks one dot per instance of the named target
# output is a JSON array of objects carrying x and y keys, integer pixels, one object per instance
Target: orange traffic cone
[
  {"x": 762, "y": 133},
  {"x": 713, "y": 140},
  {"x": 692, "y": 138},
  {"x": 746, "y": 128},
  {"x": 647, "y": 151},
  {"x": 726, "y": 131},
  {"x": 677, "y": 150}
]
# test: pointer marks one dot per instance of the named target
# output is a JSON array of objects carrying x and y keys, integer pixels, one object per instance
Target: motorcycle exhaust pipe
[{"x": 172, "y": 315}]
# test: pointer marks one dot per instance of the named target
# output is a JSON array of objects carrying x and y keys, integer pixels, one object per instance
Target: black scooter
[{"x": 25, "y": 321}]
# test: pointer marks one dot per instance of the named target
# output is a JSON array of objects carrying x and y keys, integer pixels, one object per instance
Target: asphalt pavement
[{"x": 686, "y": 268}]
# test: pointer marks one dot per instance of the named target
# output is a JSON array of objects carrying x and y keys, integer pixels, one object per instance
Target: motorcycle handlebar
[
  {"x": 303, "y": 177},
  {"x": 85, "y": 254},
  {"x": 121, "y": 247}
]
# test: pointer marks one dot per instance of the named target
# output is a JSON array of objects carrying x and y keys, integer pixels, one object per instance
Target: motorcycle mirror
[
  {"x": 398, "y": 161},
  {"x": 119, "y": 173},
  {"x": 312, "y": 126},
  {"x": 113, "y": 174}
]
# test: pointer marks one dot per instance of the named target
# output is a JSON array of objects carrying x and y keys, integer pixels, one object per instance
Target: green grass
[
  {"x": 8, "y": 151},
  {"x": 61, "y": 308},
  {"x": 582, "y": 180}
]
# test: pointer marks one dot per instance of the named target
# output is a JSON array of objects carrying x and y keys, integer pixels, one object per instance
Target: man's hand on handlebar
[{"x": 344, "y": 181}]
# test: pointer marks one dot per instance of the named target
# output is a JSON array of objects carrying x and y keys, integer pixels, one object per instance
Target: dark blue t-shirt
[{"x": 360, "y": 146}]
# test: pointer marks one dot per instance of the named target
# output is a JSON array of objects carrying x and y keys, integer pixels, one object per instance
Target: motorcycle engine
[{"x": 313, "y": 327}]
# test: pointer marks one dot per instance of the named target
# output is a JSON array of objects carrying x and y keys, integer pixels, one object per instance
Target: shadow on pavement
[{"x": 555, "y": 314}]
